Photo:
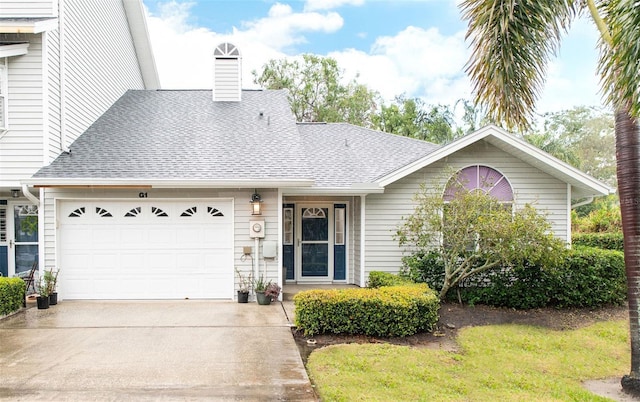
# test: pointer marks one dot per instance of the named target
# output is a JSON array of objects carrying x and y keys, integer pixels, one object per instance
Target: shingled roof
[{"x": 185, "y": 135}]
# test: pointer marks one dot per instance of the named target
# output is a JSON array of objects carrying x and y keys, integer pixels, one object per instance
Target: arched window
[{"x": 480, "y": 178}]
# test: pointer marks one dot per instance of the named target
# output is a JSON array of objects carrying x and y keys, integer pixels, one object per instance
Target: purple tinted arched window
[{"x": 480, "y": 178}]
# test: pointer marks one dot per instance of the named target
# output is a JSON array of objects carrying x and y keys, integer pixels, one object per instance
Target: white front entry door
[{"x": 146, "y": 249}]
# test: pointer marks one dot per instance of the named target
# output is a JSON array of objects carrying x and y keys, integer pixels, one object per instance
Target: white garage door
[{"x": 146, "y": 249}]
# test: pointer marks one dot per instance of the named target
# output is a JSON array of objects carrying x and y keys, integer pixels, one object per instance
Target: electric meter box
[{"x": 256, "y": 229}]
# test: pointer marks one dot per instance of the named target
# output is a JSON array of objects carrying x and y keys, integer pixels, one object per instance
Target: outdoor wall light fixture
[
  {"x": 256, "y": 204},
  {"x": 15, "y": 193}
]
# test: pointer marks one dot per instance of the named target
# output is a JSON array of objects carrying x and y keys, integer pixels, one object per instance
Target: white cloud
[
  {"x": 184, "y": 53},
  {"x": 313, "y": 5},
  {"x": 282, "y": 27},
  {"x": 417, "y": 62}
]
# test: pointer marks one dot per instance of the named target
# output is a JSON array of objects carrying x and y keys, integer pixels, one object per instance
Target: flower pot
[
  {"x": 262, "y": 299},
  {"x": 243, "y": 297},
  {"x": 53, "y": 299},
  {"x": 43, "y": 302}
]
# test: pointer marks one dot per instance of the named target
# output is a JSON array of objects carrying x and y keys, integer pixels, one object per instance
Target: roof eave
[
  {"x": 164, "y": 183},
  {"x": 353, "y": 190},
  {"x": 27, "y": 25},
  {"x": 134, "y": 11}
]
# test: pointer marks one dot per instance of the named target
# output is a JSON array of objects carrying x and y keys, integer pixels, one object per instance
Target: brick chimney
[{"x": 227, "y": 73}]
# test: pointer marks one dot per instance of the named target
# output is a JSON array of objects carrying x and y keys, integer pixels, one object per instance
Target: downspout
[
  {"x": 279, "y": 243},
  {"x": 363, "y": 276},
  {"x": 589, "y": 200},
  {"x": 34, "y": 200}
]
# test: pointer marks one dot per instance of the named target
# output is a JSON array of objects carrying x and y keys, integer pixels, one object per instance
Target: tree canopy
[{"x": 317, "y": 92}]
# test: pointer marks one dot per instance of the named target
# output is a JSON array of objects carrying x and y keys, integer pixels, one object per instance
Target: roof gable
[{"x": 583, "y": 185}]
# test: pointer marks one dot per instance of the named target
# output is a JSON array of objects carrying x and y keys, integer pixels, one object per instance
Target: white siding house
[
  {"x": 63, "y": 63},
  {"x": 159, "y": 197}
]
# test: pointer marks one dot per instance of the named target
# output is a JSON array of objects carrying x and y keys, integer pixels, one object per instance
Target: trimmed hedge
[
  {"x": 607, "y": 241},
  {"x": 586, "y": 277},
  {"x": 386, "y": 311},
  {"x": 12, "y": 294},
  {"x": 378, "y": 279}
]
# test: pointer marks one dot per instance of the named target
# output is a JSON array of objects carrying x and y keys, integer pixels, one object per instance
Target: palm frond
[
  {"x": 512, "y": 42},
  {"x": 619, "y": 65}
]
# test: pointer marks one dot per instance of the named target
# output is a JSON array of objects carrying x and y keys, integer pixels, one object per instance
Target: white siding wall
[
  {"x": 28, "y": 8},
  {"x": 53, "y": 136},
  {"x": 227, "y": 84},
  {"x": 385, "y": 211},
  {"x": 99, "y": 62},
  {"x": 93, "y": 57},
  {"x": 21, "y": 147},
  {"x": 242, "y": 216}
]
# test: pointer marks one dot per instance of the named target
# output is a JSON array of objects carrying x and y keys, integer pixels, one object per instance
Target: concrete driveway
[{"x": 151, "y": 350}]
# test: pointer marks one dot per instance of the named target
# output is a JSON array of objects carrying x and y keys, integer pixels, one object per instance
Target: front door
[
  {"x": 22, "y": 237},
  {"x": 315, "y": 251}
]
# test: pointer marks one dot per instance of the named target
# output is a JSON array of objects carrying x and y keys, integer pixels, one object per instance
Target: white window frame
[{"x": 4, "y": 104}]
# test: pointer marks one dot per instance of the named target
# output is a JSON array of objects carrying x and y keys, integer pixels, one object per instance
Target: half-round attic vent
[{"x": 226, "y": 50}]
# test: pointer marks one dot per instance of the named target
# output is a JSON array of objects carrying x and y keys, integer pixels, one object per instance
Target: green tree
[
  {"x": 512, "y": 42},
  {"x": 474, "y": 232},
  {"x": 590, "y": 136},
  {"x": 316, "y": 92},
  {"x": 410, "y": 117}
]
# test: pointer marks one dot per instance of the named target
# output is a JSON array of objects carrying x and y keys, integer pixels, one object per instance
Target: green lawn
[{"x": 498, "y": 362}]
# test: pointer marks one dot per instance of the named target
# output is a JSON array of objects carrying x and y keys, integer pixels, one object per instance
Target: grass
[{"x": 497, "y": 362}]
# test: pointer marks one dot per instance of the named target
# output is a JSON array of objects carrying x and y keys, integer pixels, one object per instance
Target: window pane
[
  {"x": 315, "y": 228},
  {"x": 26, "y": 223},
  {"x": 288, "y": 226},
  {"x": 339, "y": 226}
]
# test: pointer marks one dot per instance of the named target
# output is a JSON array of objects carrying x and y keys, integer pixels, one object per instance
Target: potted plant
[
  {"x": 244, "y": 287},
  {"x": 272, "y": 291},
  {"x": 50, "y": 282},
  {"x": 266, "y": 291},
  {"x": 260, "y": 286},
  {"x": 43, "y": 295}
]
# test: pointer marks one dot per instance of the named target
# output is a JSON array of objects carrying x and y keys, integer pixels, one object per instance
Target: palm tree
[{"x": 512, "y": 42}]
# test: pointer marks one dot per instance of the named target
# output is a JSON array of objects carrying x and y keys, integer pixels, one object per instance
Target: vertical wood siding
[
  {"x": 385, "y": 211},
  {"x": 28, "y": 8}
]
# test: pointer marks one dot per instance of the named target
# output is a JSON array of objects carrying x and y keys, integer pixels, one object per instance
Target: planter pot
[
  {"x": 53, "y": 299},
  {"x": 43, "y": 302},
  {"x": 262, "y": 299},
  {"x": 243, "y": 297}
]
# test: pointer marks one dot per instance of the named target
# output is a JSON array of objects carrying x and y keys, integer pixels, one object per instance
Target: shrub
[
  {"x": 378, "y": 279},
  {"x": 590, "y": 277},
  {"x": 424, "y": 268},
  {"x": 12, "y": 294},
  {"x": 607, "y": 241},
  {"x": 584, "y": 277},
  {"x": 386, "y": 311}
]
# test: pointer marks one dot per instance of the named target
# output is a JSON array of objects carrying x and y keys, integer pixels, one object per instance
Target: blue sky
[{"x": 411, "y": 47}]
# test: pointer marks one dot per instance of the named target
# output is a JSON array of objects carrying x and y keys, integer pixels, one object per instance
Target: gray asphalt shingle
[{"x": 185, "y": 135}]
